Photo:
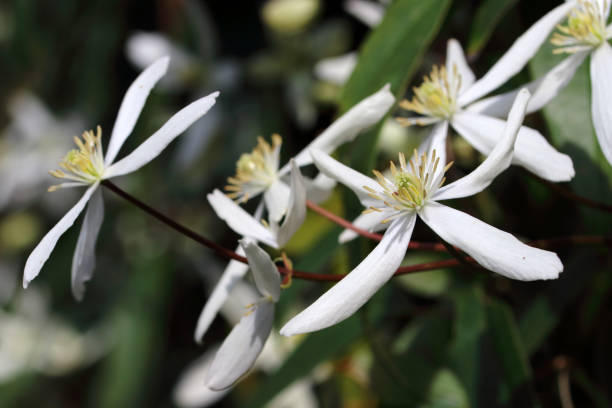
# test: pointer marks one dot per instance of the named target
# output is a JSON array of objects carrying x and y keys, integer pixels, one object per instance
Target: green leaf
[
  {"x": 487, "y": 18},
  {"x": 536, "y": 323}
]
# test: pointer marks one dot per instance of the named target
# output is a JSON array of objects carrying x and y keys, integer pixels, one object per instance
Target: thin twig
[{"x": 573, "y": 196}]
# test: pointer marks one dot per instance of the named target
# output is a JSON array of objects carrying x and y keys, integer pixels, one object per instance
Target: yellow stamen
[{"x": 586, "y": 27}]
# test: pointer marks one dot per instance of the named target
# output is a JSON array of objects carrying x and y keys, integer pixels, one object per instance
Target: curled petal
[
  {"x": 41, "y": 253},
  {"x": 132, "y": 105},
  {"x": 532, "y": 150},
  {"x": 370, "y": 222},
  {"x": 241, "y": 348},
  {"x": 601, "y": 104},
  {"x": 497, "y": 161},
  {"x": 543, "y": 90},
  {"x": 266, "y": 276},
  {"x": 353, "y": 291},
  {"x": 276, "y": 197},
  {"x": 518, "y": 55},
  {"x": 84, "y": 258},
  {"x": 455, "y": 59},
  {"x": 296, "y": 212},
  {"x": 494, "y": 249},
  {"x": 158, "y": 141}
]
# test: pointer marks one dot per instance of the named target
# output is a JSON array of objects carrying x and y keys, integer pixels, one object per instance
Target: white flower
[
  {"x": 415, "y": 189},
  {"x": 240, "y": 349},
  {"x": 445, "y": 96},
  {"x": 88, "y": 166},
  {"x": 584, "y": 34}
]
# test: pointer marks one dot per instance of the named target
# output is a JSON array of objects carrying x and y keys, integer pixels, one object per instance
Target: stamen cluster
[
  {"x": 256, "y": 170},
  {"x": 586, "y": 27}
]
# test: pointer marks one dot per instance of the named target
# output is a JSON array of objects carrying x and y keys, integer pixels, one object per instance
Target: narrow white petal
[
  {"x": 352, "y": 292},
  {"x": 240, "y": 349},
  {"x": 84, "y": 258},
  {"x": 605, "y": 6},
  {"x": 345, "y": 175},
  {"x": 266, "y": 276},
  {"x": 370, "y": 13},
  {"x": 601, "y": 94},
  {"x": 319, "y": 188},
  {"x": 132, "y": 105},
  {"x": 497, "y": 161},
  {"x": 336, "y": 70},
  {"x": 532, "y": 150},
  {"x": 543, "y": 89},
  {"x": 158, "y": 141},
  {"x": 360, "y": 117},
  {"x": 436, "y": 140},
  {"x": 519, "y": 54},
  {"x": 370, "y": 222},
  {"x": 296, "y": 212},
  {"x": 456, "y": 58},
  {"x": 41, "y": 253},
  {"x": 494, "y": 249},
  {"x": 239, "y": 220},
  {"x": 232, "y": 274},
  {"x": 276, "y": 197}
]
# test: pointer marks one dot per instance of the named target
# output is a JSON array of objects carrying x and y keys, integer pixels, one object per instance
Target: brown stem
[{"x": 573, "y": 196}]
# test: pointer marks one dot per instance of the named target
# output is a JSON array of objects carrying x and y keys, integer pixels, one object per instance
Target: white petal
[
  {"x": 233, "y": 273},
  {"x": 297, "y": 207},
  {"x": 497, "y": 161},
  {"x": 319, "y": 188},
  {"x": 266, "y": 276},
  {"x": 605, "y": 6},
  {"x": 240, "y": 349},
  {"x": 601, "y": 90},
  {"x": 370, "y": 13},
  {"x": 513, "y": 61},
  {"x": 132, "y": 105},
  {"x": 276, "y": 197},
  {"x": 360, "y": 117},
  {"x": 84, "y": 258},
  {"x": 239, "y": 220},
  {"x": 436, "y": 140},
  {"x": 456, "y": 58},
  {"x": 336, "y": 70},
  {"x": 158, "y": 141},
  {"x": 353, "y": 291},
  {"x": 345, "y": 175},
  {"x": 494, "y": 249},
  {"x": 531, "y": 150},
  {"x": 41, "y": 253},
  {"x": 370, "y": 222},
  {"x": 543, "y": 90}
]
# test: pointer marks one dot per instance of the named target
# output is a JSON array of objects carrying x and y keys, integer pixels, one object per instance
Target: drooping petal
[
  {"x": 132, "y": 105},
  {"x": 158, "y": 141},
  {"x": 601, "y": 103},
  {"x": 347, "y": 176},
  {"x": 494, "y": 249},
  {"x": 241, "y": 347},
  {"x": 370, "y": 13},
  {"x": 543, "y": 90},
  {"x": 84, "y": 258},
  {"x": 531, "y": 150},
  {"x": 276, "y": 197},
  {"x": 266, "y": 276},
  {"x": 41, "y": 253},
  {"x": 239, "y": 220},
  {"x": 336, "y": 70},
  {"x": 360, "y": 117},
  {"x": 296, "y": 212},
  {"x": 455, "y": 59},
  {"x": 497, "y": 161},
  {"x": 233, "y": 273},
  {"x": 436, "y": 140},
  {"x": 319, "y": 188},
  {"x": 372, "y": 222},
  {"x": 519, "y": 54},
  {"x": 348, "y": 295}
]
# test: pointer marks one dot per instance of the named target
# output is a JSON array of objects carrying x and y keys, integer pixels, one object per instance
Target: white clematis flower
[
  {"x": 240, "y": 349},
  {"x": 445, "y": 98},
  {"x": 88, "y": 166},
  {"x": 584, "y": 34},
  {"x": 414, "y": 190}
]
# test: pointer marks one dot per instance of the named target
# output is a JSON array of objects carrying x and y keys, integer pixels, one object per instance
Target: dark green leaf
[{"x": 487, "y": 18}]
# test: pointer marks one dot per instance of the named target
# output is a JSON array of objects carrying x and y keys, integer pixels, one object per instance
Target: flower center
[
  {"x": 586, "y": 28},
  {"x": 437, "y": 95},
  {"x": 84, "y": 165},
  {"x": 410, "y": 186},
  {"x": 255, "y": 171}
]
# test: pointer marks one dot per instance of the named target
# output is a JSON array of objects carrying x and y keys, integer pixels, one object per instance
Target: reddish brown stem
[{"x": 573, "y": 196}]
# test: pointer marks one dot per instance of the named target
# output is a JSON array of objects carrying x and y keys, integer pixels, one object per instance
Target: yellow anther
[{"x": 586, "y": 27}]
